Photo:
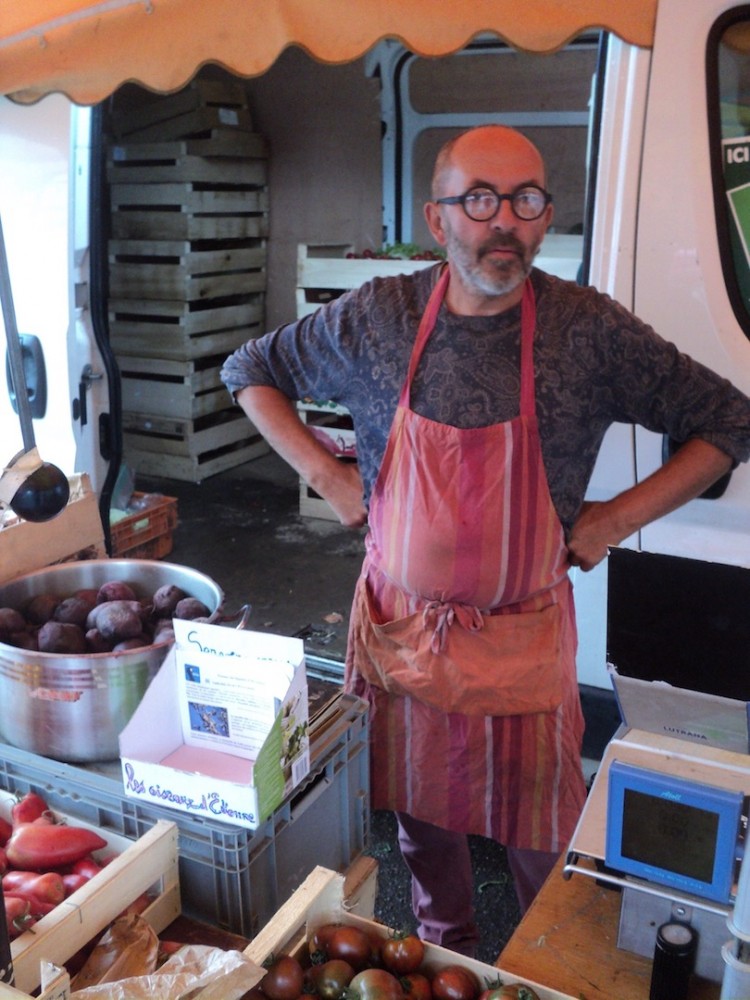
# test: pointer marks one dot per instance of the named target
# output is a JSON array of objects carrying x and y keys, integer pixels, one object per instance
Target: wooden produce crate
[
  {"x": 175, "y": 270},
  {"x": 76, "y": 533},
  {"x": 187, "y": 271},
  {"x": 187, "y": 211},
  {"x": 146, "y": 533},
  {"x": 226, "y": 158},
  {"x": 334, "y": 424},
  {"x": 324, "y": 271},
  {"x": 186, "y": 389},
  {"x": 321, "y": 899},
  {"x": 190, "y": 450},
  {"x": 204, "y": 104},
  {"x": 146, "y": 865},
  {"x": 182, "y": 331}
]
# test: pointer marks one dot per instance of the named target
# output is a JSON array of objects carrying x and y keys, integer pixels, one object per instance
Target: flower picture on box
[{"x": 213, "y": 719}]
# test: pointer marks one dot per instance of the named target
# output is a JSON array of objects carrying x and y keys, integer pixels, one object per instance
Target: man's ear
[
  {"x": 549, "y": 216},
  {"x": 434, "y": 219}
]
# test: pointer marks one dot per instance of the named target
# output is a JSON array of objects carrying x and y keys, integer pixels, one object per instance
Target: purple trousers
[{"x": 442, "y": 881}]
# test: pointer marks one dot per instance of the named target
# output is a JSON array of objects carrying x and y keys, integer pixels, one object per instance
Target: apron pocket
[{"x": 511, "y": 666}]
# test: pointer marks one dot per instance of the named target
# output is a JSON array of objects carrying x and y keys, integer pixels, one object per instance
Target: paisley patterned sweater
[{"x": 595, "y": 365}]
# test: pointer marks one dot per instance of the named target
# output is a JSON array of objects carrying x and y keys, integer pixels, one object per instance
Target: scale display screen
[{"x": 672, "y": 831}]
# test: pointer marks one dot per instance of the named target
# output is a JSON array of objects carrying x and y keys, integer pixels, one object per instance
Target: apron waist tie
[{"x": 440, "y": 615}]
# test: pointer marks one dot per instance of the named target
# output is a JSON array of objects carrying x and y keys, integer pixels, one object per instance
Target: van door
[
  {"x": 682, "y": 276},
  {"x": 44, "y": 199}
]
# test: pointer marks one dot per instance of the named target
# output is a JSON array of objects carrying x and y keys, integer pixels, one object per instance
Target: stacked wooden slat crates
[
  {"x": 187, "y": 273},
  {"x": 324, "y": 272}
]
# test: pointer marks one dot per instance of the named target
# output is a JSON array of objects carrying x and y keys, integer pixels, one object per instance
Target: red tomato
[
  {"x": 48, "y": 887},
  {"x": 86, "y": 867},
  {"x": 490, "y": 992},
  {"x": 6, "y": 829},
  {"x": 28, "y": 809},
  {"x": 319, "y": 939},
  {"x": 376, "y": 984},
  {"x": 331, "y": 978},
  {"x": 351, "y": 944},
  {"x": 402, "y": 953},
  {"x": 455, "y": 982},
  {"x": 50, "y": 846},
  {"x": 139, "y": 904},
  {"x": 284, "y": 979},
  {"x": 416, "y": 986},
  {"x": 37, "y": 907},
  {"x": 513, "y": 991},
  {"x": 73, "y": 883},
  {"x": 17, "y": 915}
]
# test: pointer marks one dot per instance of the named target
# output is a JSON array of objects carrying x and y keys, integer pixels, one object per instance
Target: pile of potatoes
[{"x": 107, "y": 619}]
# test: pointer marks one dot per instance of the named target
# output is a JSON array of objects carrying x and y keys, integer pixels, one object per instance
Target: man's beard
[{"x": 494, "y": 277}]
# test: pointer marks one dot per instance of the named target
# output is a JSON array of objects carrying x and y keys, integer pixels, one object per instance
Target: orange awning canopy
[{"x": 86, "y": 49}]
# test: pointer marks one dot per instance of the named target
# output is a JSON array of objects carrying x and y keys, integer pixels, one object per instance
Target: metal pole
[
  {"x": 6, "y": 960},
  {"x": 15, "y": 353}
]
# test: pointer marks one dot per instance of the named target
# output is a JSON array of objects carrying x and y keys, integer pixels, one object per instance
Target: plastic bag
[{"x": 197, "y": 972}]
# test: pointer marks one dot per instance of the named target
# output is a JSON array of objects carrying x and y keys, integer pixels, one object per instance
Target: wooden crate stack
[
  {"x": 187, "y": 274},
  {"x": 324, "y": 272}
]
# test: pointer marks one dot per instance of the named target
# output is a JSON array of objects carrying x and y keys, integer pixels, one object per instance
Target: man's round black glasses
[{"x": 482, "y": 204}]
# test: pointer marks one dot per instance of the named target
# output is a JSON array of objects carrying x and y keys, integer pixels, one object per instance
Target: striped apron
[{"x": 462, "y": 636}]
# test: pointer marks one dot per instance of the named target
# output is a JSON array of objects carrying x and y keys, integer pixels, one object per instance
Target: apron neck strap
[{"x": 528, "y": 326}]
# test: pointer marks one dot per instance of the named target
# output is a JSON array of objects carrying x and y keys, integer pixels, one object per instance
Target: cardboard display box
[{"x": 222, "y": 731}]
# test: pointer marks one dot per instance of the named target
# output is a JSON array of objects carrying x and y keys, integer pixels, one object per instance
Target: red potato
[
  {"x": 166, "y": 599},
  {"x": 3, "y": 861},
  {"x": 137, "y": 642},
  {"x": 119, "y": 620},
  {"x": 24, "y": 640},
  {"x": 115, "y": 590},
  {"x": 74, "y": 610},
  {"x": 96, "y": 643},
  {"x": 38, "y": 847},
  {"x": 6, "y": 829},
  {"x": 41, "y": 608},
  {"x": 11, "y": 621},
  {"x": 191, "y": 608},
  {"x": 61, "y": 637}
]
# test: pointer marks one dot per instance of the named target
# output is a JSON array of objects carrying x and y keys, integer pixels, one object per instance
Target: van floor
[{"x": 243, "y": 528}]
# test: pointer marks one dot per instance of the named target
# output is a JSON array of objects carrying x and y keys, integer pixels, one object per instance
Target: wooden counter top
[{"x": 568, "y": 941}]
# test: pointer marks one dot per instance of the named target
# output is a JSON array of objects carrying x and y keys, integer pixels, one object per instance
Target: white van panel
[
  {"x": 680, "y": 287},
  {"x": 34, "y": 165}
]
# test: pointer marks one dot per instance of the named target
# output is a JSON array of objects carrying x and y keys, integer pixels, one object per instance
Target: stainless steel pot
[{"x": 72, "y": 708}]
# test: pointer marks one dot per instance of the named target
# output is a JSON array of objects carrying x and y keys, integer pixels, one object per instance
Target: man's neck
[{"x": 465, "y": 301}]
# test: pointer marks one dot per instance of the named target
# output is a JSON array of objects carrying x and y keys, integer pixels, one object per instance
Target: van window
[
  {"x": 425, "y": 102},
  {"x": 728, "y": 63}
]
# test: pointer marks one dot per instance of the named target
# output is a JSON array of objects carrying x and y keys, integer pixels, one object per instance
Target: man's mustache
[{"x": 502, "y": 243}]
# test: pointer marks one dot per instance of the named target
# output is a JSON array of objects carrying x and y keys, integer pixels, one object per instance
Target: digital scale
[{"x": 665, "y": 822}]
